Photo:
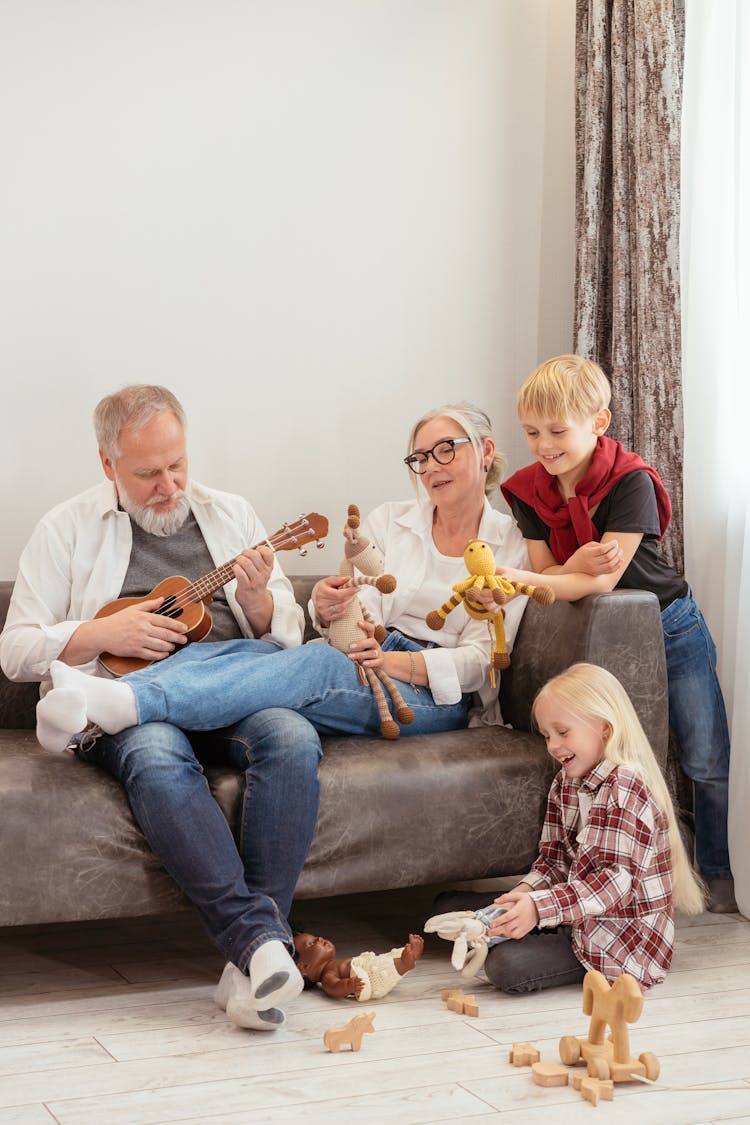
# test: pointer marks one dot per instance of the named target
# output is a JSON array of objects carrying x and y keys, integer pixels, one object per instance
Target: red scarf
[{"x": 570, "y": 523}]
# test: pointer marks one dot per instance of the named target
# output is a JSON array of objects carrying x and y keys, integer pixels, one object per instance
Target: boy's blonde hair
[
  {"x": 566, "y": 387},
  {"x": 595, "y": 695},
  {"x": 477, "y": 426}
]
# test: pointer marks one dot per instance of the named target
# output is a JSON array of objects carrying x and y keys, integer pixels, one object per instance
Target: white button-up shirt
[
  {"x": 76, "y": 560},
  {"x": 402, "y": 532}
]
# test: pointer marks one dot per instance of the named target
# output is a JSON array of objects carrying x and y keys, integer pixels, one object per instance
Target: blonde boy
[{"x": 592, "y": 515}]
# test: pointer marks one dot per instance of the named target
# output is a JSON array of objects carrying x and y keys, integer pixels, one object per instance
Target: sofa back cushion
[{"x": 17, "y": 701}]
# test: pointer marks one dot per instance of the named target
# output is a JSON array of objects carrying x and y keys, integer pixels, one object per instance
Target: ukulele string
[{"x": 196, "y": 591}]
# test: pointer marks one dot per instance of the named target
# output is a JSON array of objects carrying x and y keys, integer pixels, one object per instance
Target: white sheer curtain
[{"x": 715, "y": 251}]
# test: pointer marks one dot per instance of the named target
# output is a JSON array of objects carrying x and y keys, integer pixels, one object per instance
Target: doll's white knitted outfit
[{"x": 378, "y": 971}]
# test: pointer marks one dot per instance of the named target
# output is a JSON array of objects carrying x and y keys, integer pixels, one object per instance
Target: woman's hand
[
  {"x": 367, "y": 652},
  {"x": 331, "y": 599},
  {"x": 520, "y": 917}
]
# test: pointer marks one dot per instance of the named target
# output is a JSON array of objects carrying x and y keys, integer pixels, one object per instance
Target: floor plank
[{"x": 114, "y": 1022}]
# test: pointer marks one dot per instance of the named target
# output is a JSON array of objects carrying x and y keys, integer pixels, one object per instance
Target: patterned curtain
[{"x": 629, "y": 56}]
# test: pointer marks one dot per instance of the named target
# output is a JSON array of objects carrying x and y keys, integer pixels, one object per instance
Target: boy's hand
[
  {"x": 596, "y": 558},
  {"x": 520, "y": 918}
]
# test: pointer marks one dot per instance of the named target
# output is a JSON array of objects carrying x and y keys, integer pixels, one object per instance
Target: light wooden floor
[{"x": 113, "y": 1024}]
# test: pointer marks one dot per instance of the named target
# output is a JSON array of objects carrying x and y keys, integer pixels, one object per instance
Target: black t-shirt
[{"x": 630, "y": 506}]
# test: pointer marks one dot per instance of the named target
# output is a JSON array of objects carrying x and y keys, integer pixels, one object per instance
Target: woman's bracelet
[{"x": 411, "y": 674}]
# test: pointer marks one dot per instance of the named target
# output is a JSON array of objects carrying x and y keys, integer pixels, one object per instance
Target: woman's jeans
[
  {"x": 206, "y": 686},
  {"x": 242, "y": 896},
  {"x": 698, "y": 717}
]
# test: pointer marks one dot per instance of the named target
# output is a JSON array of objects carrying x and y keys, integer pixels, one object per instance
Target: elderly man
[{"x": 145, "y": 522}]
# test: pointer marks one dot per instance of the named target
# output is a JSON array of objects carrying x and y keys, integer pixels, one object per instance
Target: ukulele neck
[{"x": 203, "y": 587}]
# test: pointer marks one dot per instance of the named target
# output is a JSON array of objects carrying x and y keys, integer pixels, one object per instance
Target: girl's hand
[
  {"x": 330, "y": 599},
  {"x": 366, "y": 652},
  {"x": 520, "y": 918}
]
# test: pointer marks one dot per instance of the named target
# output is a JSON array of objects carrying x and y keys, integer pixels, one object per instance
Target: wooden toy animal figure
[
  {"x": 350, "y": 1033},
  {"x": 480, "y": 563},
  {"x": 610, "y": 1006},
  {"x": 359, "y": 553}
]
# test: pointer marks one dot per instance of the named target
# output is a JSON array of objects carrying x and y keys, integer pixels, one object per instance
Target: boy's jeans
[{"x": 698, "y": 717}]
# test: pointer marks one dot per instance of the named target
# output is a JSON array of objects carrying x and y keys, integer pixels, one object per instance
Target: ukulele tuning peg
[
  {"x": 302, "y": 551},
  {"x": 320, "y": 545}
]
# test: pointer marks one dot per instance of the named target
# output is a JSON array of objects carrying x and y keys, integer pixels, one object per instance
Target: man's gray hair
[{"x": 132, "y": 408}]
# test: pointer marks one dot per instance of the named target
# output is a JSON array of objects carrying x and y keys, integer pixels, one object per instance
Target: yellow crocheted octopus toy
[{"x": 480, "y": 563}]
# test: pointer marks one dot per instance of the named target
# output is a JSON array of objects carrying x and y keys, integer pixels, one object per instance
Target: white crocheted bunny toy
[{"x": 467, "y": 929}]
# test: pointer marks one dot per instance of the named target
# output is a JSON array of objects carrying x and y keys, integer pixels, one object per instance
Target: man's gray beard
[{"x": 148, "y": 518}]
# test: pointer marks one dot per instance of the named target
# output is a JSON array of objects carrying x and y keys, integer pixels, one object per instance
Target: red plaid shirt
[{"x": 611, "y": 880}]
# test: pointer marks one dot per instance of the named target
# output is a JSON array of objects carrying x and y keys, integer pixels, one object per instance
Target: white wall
[{"x": 312, "y": 219}]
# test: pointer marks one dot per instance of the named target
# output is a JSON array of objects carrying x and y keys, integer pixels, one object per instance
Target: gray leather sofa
[{"x": 427, "y": 809}]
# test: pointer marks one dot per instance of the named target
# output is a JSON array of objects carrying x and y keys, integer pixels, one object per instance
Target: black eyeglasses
[{"x": 442, "y": 451}]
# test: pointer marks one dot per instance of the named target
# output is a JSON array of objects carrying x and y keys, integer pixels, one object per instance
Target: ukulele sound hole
[{"x": 168, "y": 608}]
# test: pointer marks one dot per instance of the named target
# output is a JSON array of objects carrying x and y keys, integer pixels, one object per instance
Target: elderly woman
[{"x": 207, "y": 686}]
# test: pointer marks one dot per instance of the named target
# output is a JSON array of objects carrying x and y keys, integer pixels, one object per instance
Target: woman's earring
[{"x": 486, "y": 468}]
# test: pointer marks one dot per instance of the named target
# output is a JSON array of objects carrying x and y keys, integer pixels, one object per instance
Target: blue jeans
[
  {"x": 205, "y": 686},
  {"x": 242, "y": 896},
  {"x": 698, "y": 717}
]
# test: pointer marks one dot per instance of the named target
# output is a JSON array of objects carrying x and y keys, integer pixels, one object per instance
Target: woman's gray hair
[
  {"x": 477, "y": 426},
  {"x": 132, "y": 408}
]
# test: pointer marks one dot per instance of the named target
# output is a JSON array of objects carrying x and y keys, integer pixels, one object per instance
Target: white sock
[
  {"x": 274, "y": 977},
  {"x": 234, "y": 995},
  {"x": 60, "y": 715},
  {"x": 221, "y": 992},
  {"x": 109, "y": 703}
]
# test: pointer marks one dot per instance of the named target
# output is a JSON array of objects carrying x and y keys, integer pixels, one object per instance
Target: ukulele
[{"x": 189, "y": 600}]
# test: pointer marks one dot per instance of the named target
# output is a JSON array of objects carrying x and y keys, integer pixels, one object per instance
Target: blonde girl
[{"x": 612, "y": 867}]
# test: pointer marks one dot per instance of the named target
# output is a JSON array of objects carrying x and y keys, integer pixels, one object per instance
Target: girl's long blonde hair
[{"x": 595, "y": 695}]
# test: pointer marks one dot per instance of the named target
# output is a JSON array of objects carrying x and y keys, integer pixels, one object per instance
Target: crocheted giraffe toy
[
  {"x": 359, "y": 553},
  {"x": 480, "y": 563}
]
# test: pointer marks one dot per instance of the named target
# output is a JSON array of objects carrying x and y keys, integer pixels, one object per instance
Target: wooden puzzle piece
[
  {"x": 592, "y": 1089},
  {"x": 523, "y": 1054},
  {"x": 549, "y": 1074},
  {"x": 465, "y": 1004}
]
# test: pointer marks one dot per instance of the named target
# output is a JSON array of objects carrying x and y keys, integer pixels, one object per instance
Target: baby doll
[{"x": 369, "y": 976}]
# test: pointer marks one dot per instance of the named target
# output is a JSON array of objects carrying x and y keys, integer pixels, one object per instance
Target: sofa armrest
[{"x": 620, "y": 631}]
